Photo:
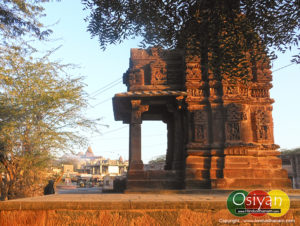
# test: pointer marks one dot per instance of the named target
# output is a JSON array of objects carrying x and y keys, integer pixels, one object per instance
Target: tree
[
  {"x": 290, "y": 151},
  {"x": 20, "y": 17},
  {"x": 41, "y": 112},
  {"x": 220, "y": 32},
  {"x": 158, "y": 159}
]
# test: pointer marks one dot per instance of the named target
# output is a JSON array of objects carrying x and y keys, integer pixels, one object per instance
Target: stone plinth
[
  {"x": 206, "y": 208},
  {"x": 155, "y": 179}
]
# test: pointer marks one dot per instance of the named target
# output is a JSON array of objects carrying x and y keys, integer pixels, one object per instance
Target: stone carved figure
[
  {"x": 200, "y": 119},
  {"x": 263, "y": 121},
  {"x": 233, "y": 131},
  {"x": 200, "y": 133},
  {"x": 235, "y": 115}
]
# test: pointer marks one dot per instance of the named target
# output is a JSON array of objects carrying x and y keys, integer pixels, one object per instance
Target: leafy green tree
[
  {"x": 20, "y": 17},
  {"x": 290, "y": 151},
  {"x": 158, "y": 159},
  {"x": 41, "y": 112},
  {"x": 220, "y": 32}
]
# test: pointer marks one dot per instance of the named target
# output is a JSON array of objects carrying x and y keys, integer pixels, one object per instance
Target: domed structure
[
  {"x": 121, "y": 159},
  {"x": 89, "y": 152}
]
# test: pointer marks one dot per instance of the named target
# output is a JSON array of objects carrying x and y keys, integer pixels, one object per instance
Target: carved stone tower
[{"x": 220, "y": 132}]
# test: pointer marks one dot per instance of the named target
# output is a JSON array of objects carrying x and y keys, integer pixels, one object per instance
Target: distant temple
[
  {"x": 220, "y": 132},
  {"x": 98, "y": 166},
  {"x": 89, "y": 152}
]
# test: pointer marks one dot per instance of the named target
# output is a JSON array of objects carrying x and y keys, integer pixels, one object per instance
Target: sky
[{"x": 103, "y": 71}]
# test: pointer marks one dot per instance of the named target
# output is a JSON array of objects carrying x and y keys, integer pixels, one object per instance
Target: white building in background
[{"x": 98, "y": 166}]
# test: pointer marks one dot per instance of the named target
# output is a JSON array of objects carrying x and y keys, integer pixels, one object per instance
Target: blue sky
[{"x": 101, "y": 68}]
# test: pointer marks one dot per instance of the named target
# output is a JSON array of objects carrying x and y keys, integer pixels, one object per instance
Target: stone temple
[{"x": 220, "y": 131}]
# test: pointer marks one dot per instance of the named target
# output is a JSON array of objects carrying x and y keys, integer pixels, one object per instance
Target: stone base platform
[
  {"x": 204, "y": 208},
  {"x": 155, "y": 179}
]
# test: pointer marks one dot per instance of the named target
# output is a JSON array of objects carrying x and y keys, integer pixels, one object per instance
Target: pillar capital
[{"x": 137, "y": 110}]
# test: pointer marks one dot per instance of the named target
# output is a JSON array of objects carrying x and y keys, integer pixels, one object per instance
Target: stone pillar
[
  {"x": 217, "y": 128},
  {"x": 198, "y": 160},
  {"x": 197, "y": 173},
  {"x": 175, "y": 157},
  {"x": 135, "y": 154},
  {"x": 217, "y": 151},
  {"x": 135, "y": 147},
  {"x": 169, "y": 157},
  {"x": 178, "y": 142}
]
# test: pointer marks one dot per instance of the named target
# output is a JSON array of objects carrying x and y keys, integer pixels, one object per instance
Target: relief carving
[
  {"x": 137, "y": 110},
  {"x": 235, "y": 113},
  {"x": 263, "y": 121},
  {"x": 199, "y": 117},
  {"x": 263, "y": 132},
  {"x": 196, "y": 92},
  {"x": 158, "y": 73},
  {"x": 231, "y": 90},
  {"x": 200, "y": 125},
  {"x": 259, "y": 93},
  {"x": 233, "y": 131},
  {"x": 193, "y": 71},
  {"x": 200, "y": 133},
  {"x": 262, "y": 117},
  {"x": 243, "y": 91}
]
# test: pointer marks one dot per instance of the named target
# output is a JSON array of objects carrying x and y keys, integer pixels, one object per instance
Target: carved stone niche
[
  {"x": 235, "y": 113},
  {"x": 234, "y": 116},
  {"x": 158, "y": 72},
  {"x": 262, "y": 126},
  {"x": 200, "y": 126},
  {"x": 193, "y": 71}
]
